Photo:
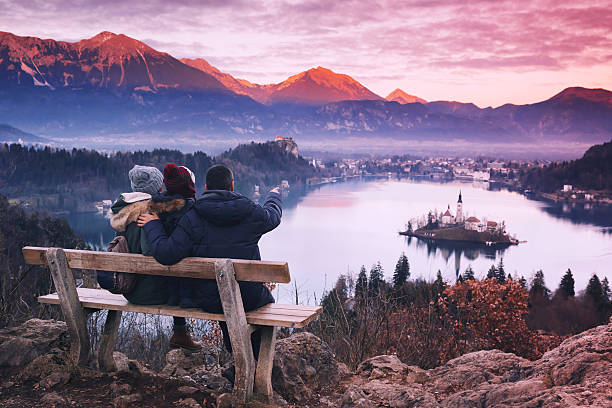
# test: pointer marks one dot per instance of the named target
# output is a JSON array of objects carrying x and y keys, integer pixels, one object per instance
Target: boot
[
  {"x": 181, "y": 338},
  {"x": 229, "y": 374}
]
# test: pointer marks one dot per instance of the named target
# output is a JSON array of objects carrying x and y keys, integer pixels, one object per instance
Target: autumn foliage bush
[{"x": 490, "y": 315}]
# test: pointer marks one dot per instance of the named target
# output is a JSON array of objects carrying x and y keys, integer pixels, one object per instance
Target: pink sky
[{"x": 481, "y": 51}]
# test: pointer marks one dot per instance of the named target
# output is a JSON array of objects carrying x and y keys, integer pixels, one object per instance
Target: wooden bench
[{"x": 77, "y": 303}]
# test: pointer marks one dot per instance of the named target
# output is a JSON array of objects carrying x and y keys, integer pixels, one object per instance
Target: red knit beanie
[{"x": 178, "y": 180}]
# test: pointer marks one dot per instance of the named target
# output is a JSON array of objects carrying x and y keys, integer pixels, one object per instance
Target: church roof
[
  {"x": 472, "y": 219},
  {"x": 459, "y": 200},
  {"x": 447, "y": 214}
]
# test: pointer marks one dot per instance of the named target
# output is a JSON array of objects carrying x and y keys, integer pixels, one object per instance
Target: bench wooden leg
[
  {"x": 263, "y": 374},
  {"x": 108, "y": 340},
  {"x": 73, "y": 312},
  {"x": 238, "y": 329}
]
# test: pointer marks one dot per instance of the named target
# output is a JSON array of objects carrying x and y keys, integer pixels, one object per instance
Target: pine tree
[
  {"x": 538, "y": 287},
  {"x": 402, "y": 272},
  {"x": 605, "y": 288},
  {"x": 492, "y": 272},
  {"x": 342, "y": 288},
  {"x": 501, "y": 272},
  {"x": 566, "y": 287},
  {"x": 439, "y": 285},
  {"x": 376, "y": 278},
  {"x": 594, "y": 291},
  {"x": 500, "y": 267},
  {"x": 469, "y": 274},
  {"x": 523, "y": 282},
  {"x": 361, "y": 287}
]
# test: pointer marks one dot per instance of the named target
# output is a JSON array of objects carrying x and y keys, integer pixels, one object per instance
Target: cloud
[{"x": 523, "y": 61}]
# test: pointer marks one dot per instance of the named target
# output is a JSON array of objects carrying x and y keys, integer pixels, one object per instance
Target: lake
[{"x": 337, "y": 228}]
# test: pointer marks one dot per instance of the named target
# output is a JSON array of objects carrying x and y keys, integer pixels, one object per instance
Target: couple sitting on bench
[{"x": 173, "y": 225}]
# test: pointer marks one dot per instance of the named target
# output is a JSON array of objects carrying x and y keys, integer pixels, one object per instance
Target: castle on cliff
[{"x": 287, "y": 144}]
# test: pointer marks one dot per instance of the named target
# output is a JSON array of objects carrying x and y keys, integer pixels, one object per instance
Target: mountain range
[
  {"x": 10, "y": 134},
  {"x": 112, "y": 87},
  {"x": 315, "y": 86}
]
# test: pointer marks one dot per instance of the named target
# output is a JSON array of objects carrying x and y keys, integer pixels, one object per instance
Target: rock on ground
[
  {"x": 22, "y": 344},
  {"x": 202, "y": 368},
  {"x": 303, "y": 366},
  {"x": 575, "y": 374},
  {"x": 36, "y": 371},
  {"x": 306, "y": 374},
  {"x": 52, "y": 399}
]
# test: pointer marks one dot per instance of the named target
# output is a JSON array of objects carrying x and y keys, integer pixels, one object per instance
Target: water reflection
[
  {"x": 446, "y": 249},
  {"x": 592, "y": 213},
  {"x": 583, "y": 213},
  {"x": 93, "y": 227}
]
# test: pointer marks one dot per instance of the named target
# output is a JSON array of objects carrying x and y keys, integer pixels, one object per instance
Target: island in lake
[{"x": 446, "y": 227}]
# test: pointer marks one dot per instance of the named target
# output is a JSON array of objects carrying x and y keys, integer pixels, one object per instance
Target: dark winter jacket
[
  {"x": 170, "y": 209},
  {"x": 222, "y": 224},
  {"x": 149, "y": 289}
]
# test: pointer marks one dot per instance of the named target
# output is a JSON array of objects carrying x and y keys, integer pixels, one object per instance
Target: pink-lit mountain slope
[
  {"x": 402, "y": 97},
  {"x": 240, "y": 86},
  {"x": 316, "y": 86},
  {"x": 106, "y": 61}
]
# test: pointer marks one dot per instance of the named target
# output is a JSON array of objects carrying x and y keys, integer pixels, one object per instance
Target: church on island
[
  {"x": 459, "y": 228},
  {"x": 447, "y": 220}
]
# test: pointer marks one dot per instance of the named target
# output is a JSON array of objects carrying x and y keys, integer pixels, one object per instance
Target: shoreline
[{"x": 434, "y": 238}]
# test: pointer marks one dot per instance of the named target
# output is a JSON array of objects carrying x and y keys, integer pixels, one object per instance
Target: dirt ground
[{"x": 88, "y": 388}]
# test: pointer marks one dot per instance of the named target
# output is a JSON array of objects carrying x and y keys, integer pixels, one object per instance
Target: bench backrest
[{"x": 204, "y": 268}]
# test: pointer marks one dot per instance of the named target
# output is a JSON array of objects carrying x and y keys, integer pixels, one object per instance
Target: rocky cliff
[{"x": 33, "y": 371}]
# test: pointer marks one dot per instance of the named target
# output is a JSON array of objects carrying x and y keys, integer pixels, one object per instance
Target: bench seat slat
[
  {"x": 296, "y": 313},
  {"x": 203, "y": 268},
  {"x": 272, "y": 308},
  {"x": 269, "y": 315}
]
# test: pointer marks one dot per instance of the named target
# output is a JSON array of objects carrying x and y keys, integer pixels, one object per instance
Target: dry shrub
[
  {"x": 420, "y": 337},
  {"x": 146, "y": 338},
  {"x": 488, "y": 314},
  {"x": 427, "y": 324}
]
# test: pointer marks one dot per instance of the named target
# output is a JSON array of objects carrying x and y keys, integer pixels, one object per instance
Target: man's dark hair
[{"x": 219, "y": 177}]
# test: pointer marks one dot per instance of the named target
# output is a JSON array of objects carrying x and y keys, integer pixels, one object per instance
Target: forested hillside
[
  {"x": 592, "y": 172},
  {"x": 266, "y": 164},
  {"x": 27, "y": 170},
  {"x": 20, "y": 284},
  {"x": 67, "y": 178}
]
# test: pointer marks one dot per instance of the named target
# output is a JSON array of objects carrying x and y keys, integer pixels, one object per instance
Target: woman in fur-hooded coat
[{"x": 145, "y": 181}]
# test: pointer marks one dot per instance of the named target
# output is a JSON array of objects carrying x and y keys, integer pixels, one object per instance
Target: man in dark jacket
[{"x": 222, "y": 224}]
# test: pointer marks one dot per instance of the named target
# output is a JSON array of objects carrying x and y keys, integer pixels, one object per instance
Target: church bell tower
[{"x": 459, "y": 217}]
